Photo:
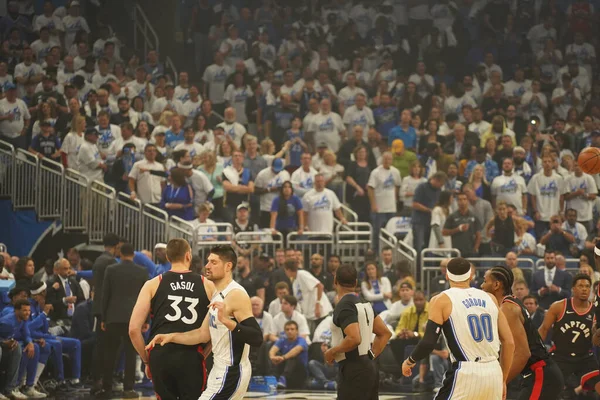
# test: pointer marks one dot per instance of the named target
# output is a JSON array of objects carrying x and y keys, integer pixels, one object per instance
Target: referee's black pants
[
  {"x": 115, "y": 334},
  {"x": 358, "y": 379}
]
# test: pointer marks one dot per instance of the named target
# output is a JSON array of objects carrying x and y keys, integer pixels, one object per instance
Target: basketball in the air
[{"x": 589, "y": 160}]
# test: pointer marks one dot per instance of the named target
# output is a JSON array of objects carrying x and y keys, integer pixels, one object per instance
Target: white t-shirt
[
  {"x": 563, "y": 108},
  {"x": 583, "y": 206},
  {"x": 201, "y": 186},
  {"x": 327, "y": 129},
  {"x": 194, "y": 149},
  {"x": 305, "y": 291},
  {"x": 353, "y": 116},
  {"x": 348, "y": 94},
  {"x": 530, "y": 107},
  {"x": 206, "y": 230},
  {"x": 12, "y": 129},
  {"x": 118, "y": 144},
  {"x": 409, "y": 185},
  {"x": 148, "y": 186},
  {"x": 182, "y": 94},
  {"x": 98, "y": 79},
  {"x": 159, "y": 105},
  {"x": 190, "y": 110},
  {"x": 280, "y": 319},
  {"x": 238, "y": 52},
  {"x": 235, "y": 131},
  {"x": 510, "y": 189},
  {"x": 578, "y": 231},
  {"x": 516, "y": 89},
  {"x": 303, "y": 181},
  {"x": 267, "y": 179},
  {"x": 52, "y": 22},
  {"x": 479, "y": 127},
  {"x": 139, "y": 89},
  {"x": 71, "y": 148},
  {"x": 215, "y": 76},
  {"x": 107, "y": 136},
  {"x": 455, "y": 105},
  {"x": 26, "y": 71},
  {"x": 526, "y": 242},
  {"x": 385, "y": 183},
  {"x": 538, "y": 35},
  {"x": 41, "y": 49},
  {"x": 72, "y": 26},
  {"x": 237, "y": 97},
  {"x": 308, "y": 123},
  {"x": 320, "y": 206},
  {"x": 266, "y": 324},
  {"x": 422, "y": 89},
  {"x": 547, "y": 192},
  {"x": 88, "y": 159}
]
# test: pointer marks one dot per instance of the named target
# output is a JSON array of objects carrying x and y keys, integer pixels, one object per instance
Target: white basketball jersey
[
  {"x": 225, "y": 349},
  {"x": 472, "y": 329}
]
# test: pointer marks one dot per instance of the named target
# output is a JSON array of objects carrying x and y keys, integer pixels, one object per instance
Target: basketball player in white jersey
[
  {"x": 474, "y": 330},
  {"x": 229, "y": 325}
]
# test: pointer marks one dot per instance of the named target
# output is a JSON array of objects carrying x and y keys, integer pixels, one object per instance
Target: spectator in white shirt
[
  {"x": 263, "y": 318},
  {"x": 376, "y": 288},
  {"x": 510, "y": 188},
  {"x": 581, "y": 192},
  {"x": 328, "y": 127},
  {"x": 189, "y": 143},
  {"x": 232, "y": 128},
  {"x": 281, "y": 290},
  {"x": 89, "y": 159},
  {"x": 382, "y": 188},
  {"x": 169, "y": 102},
  {"x": 73, "y": 141},
  {"x": 319, "y": 204},
  {"x": 565, "y": 97},
  {"x": 424, "y": 82},
  {"x": 576, "y": 229},
  {"x": 310, "y": 294},
  {"x": 206, "y": 229},
  {"x": 303, "y": 179},
  {"x": 539, "y": 33},
  {"x": 359, "y": 114},
  {"x": 214, "y": 78},
  {"x": 143, "y": 184},
  {"x": 347, "y": 94},
  {"x": 479, "y": 125},
  {"x": 290, "y": 313},
  {"x": 546, "y": 189},
  {"x": 14, "y": 117}
]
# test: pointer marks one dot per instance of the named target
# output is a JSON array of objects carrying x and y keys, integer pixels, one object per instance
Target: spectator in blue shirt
[
  {"x": 12, "y": 353},
  {"x": 17, "y": 293},
  {"x": 297, "y": 145},
  {"x": 404, "y": 131},
  {"x": 386, "y": 116},
  {"x": 286, "y": 211},
  {"x": 34, "y": 356},
  {"x": 178, "y": 197},
  {"x": 289, "y": 357},
  {"x": 160, "y": 252},
  {"x": 38, "y": 327},
  {"x": 490, "y": 166},
  {"x": 175, "y": 135},
  {"x": 46, "y": 144}
]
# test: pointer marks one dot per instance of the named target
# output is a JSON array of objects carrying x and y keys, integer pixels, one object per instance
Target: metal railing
[
  {"x": 155, "y": 223},
  {"x": 51, "y": 192},
  {"x": 24, "y": 176},
  {"x": 353, "y": 241},
  {"x": 128, "y": 219},
  {"x": 430, "y": 263},
  {"x": 400, "y": 250},
  {"x": 101, "y": 211},
  {"x": 76, "y": 201},
  {"x": 312, "y": 242},
  {"x": 259, "y": 242},
  {"x": 7, "y": 160}
]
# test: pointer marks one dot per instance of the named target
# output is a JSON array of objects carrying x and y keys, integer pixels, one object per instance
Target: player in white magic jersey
[
  {"x": 474, "y": 330},
  {"x": 229, "y": 325}
]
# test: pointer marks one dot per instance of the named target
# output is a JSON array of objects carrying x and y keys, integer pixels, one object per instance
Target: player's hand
[
  {"x": 407, "y": 368},
  {"x": 29, "y": 350},
  {"x": 221, "y": 308},
  {"x": 161, "y": 339},
  {"x": 329, "y": 356}
]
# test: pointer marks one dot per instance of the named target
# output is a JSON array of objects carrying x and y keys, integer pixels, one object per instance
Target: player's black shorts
[
  {"x": 358, "y": 380},
  {"x": 584, "y": 368},
  {"x": 178, "y": 372},
  {"x": 543, "y": 382}
]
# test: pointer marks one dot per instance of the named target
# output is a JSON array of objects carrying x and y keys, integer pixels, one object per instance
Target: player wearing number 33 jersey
[
  {"x": 474, "y": 330},
  {"x": 177, "y": 301},
  {"x": 230, "y": 326}
]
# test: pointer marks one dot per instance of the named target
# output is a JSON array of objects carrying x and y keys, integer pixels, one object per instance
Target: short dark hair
[
  {"x": 458, "y": 266},
  {"x": 282, "y": 285},
  {"x": 290, "y": 323},
  {"x": 334, "y": 256},
  {"x": 177, "y": 249},
  {"x": 20, "y": 303},
  {"x": 18, "y": 289},
  {"x": 291, "y": 265},
  {"x": 530, "y": 296},
  {"x": 504, "y": 275},
  {"x": 385, "y": 248},
  {"x": 127, "y": 250},
  {"x": 579, "y": 277},
  {"x": 293, "y": 301},
  {"x": 225, "y": 253},
  {"x": 346, "y": 276},
  {"x": 111, "y": 240}
]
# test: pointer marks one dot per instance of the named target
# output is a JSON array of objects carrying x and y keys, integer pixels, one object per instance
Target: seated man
[
  {"x": 259, "y": 356},
  {"x": 32, "y": 361},
  {"x": 289, "y": 357},
  {"x": 289, "y": 313},
  {"x": 11, "y": 359},
  {"x": 411, "y": 327},
  {"x": 17, "y": 293},
  {"x": 38, "y": 327},
  {"x": 281, "y": 290},
  {"x": 323, "y": 375}
]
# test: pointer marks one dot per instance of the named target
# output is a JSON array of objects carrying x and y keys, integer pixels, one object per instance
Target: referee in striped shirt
[{"x": 353, "y": 325}]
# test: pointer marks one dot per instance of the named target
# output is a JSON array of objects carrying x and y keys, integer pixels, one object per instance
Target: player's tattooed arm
[{"x": 551, "y": 317}]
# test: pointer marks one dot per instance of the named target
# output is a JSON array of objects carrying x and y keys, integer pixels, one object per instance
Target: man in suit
[
  {"x": 551, "y": 284},
  {"x": 63, "y": 292},
  {"x": 460, "y": 142},
  {"x": 111, "y": 250},
  {"x": 120, "y": 289}
]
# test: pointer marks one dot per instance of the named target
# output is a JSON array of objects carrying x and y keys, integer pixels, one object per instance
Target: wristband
[{"x": 410, "y": 360}]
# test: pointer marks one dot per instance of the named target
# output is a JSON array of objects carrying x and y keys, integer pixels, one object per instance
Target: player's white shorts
[
  {"x": 468, "y": 380},
  {"x": 226, "y": 382}
]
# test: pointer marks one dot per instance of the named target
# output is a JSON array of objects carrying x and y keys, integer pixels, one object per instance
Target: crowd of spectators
[{"x": 451, "y": 124}]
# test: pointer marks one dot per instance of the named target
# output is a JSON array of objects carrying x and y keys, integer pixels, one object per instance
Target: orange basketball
[{"x": 589, "y": 160}]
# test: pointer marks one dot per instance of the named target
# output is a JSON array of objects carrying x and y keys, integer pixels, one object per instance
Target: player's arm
[
  {"x": 508, "y": 345},
  {"x": 382, "y": 336},
  {"x": 550, "y": 318},
  {"x": 440, "y": 308},
  {"x": 190, "y": 338},
  {"x": 247, "y": 329},
  {"x": 139, "y": 316},
  {"x": 514, "y": 318}
]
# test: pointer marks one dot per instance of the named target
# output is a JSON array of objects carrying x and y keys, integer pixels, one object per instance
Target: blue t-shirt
[
  {"x": 289, "y": 222},
  {"x": 409, "y": 137},
  {"x": 386, "y": 119},
  {"x": 284, "y": 346},
  {"x": 296, "y": 149},
  {"x": 172, "y": 139}
]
